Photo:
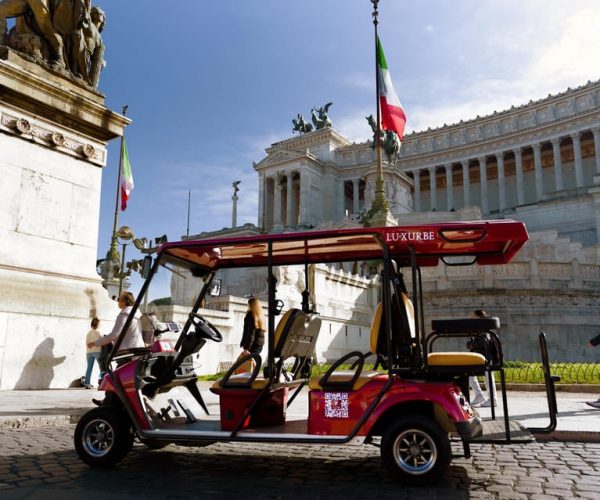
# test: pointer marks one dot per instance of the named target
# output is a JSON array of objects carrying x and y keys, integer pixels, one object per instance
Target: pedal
[
  {"x": 190, "y": 416},
  {"x": 174, "y": 407}
]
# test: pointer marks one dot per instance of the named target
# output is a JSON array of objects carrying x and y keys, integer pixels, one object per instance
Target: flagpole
[
  {"x": 113, "y": 253},
  {"x": 380, "y": 205},
  {"x": 187, "y": 233}
]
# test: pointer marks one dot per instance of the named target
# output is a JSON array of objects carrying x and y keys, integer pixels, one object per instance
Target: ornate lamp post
[
  {"x": 124, "y": 235},
  {"x": 379, "y": 214}
]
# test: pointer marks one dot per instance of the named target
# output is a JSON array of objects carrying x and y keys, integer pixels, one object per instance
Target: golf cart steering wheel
[{"x": 205, "y": 329}]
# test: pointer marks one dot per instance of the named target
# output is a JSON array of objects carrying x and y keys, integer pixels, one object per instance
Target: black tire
[
  {"x": 416, "y": 450},
  {"x": 103, "y": 436}
]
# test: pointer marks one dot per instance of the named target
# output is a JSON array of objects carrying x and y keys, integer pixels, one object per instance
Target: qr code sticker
[{"x": 336, "y": 405}]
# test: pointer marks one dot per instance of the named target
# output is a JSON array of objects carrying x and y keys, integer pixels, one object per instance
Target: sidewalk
[{"x": 576, "y": 420}]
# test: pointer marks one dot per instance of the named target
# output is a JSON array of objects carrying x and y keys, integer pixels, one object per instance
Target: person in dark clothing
[
  {"x": 253, "y": 338},
  {"x": 593, "y": 343}
]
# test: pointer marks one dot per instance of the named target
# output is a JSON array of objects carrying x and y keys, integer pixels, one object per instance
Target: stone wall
[
  {"x": 553, "y": 285},
  {"x": 52, "y": 149}
]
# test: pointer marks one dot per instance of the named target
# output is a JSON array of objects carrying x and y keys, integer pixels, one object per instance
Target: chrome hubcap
[
  {"x": 415, "y": 452},
  {"x": 98, "y": 437}
]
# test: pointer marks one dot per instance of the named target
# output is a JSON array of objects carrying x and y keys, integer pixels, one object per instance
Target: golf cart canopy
[{"x": 484, "y": 242}]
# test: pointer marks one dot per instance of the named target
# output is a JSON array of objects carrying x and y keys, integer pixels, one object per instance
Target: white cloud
[
  {"x": 355, "y": 126},
  {"x": 527, "y": 57}
]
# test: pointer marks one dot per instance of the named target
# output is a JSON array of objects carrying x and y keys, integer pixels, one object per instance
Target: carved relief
[{"x": 47, "y": 135}]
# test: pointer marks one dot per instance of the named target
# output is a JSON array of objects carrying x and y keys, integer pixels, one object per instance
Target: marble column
[
  {"x": 417, "y": 182},
  {"x": 558, "y": 177},
  {"x": 433, "y": 188},
  {"x": 501, "y": 181},
  {"x": 449, "y": 187},
  {"x": 578, "y": 159},
  {"x": 483, "y": 185},
  {"x": 537, "y": 164},
  {"x": 304, "y": 202},
  {"x": 289, "y": 209},
  {"x": 355, "y": 206},
  {"x": 262, "y": 186},
  {"x": 277, "y": 220},
  {"x": 596, "y": 132},
  {"x": 519, "y": 174},
  {"x": 466, "y": 186}
]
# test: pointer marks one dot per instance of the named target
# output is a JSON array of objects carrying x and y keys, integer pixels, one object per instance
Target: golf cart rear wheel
[
  {"x": 416, "y": 450},
  {"x": 103, "y": 436}
]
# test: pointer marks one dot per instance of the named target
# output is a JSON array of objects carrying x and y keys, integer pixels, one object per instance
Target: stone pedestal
[{"x": 53, "y": 136}]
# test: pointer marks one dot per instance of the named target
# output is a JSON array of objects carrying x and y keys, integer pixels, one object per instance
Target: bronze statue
[
  {"x": 87, "y": 50},
  {"x": 38, "y": 16},
  {"x": 388, "y": 138},
  {"x": 69, "y": 31},
  {"x": 300, "y": 125},
  {"x": 319, "y": 116}
]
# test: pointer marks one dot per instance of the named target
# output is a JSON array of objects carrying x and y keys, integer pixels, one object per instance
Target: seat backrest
[
  {"x": 402, "y": 330},
  {"x": 302, "y": 337},
  {"x": 376, "y": 328},
  {"x": 292, "y": 321},
  {"x": 296, "y": 336}
]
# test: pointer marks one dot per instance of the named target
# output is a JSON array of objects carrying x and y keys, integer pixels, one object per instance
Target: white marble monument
[{"x": 53, "y": 136}]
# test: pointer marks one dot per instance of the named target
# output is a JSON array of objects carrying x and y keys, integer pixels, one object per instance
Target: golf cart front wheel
[
  {"x": 416, "y": 450},
  {"x": 103, "y": 437}
]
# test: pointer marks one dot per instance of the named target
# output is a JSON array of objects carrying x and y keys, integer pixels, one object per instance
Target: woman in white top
[
  {"x": 93, "y": 353},
  {"x": 133, "y": 337}
]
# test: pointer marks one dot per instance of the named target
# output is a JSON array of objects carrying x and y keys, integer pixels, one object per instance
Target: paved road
[{"x": 41, "y": 463}]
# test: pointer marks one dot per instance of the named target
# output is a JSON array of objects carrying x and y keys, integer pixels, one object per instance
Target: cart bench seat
[
  {"x": 455, "y": 359},
  {"x": 342, "y": 379}
]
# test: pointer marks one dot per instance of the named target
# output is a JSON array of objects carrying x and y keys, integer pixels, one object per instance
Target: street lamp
[{"x": 124, "y": 235}]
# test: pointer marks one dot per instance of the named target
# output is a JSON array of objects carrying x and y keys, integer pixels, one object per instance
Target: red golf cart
[{"x": 402, "y": 394}]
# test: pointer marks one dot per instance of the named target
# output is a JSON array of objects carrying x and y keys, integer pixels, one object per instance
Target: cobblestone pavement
[{"x": 41, "y": 463}]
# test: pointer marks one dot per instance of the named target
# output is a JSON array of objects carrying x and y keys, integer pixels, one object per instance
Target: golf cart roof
[{"x": 486, "y": 242}]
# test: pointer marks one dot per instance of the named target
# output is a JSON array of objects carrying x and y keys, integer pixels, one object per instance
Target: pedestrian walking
[
  {"x": 92, "y": 353},
  {"x": 482, "y": 344},
  {"x": 253, "y": 336}
]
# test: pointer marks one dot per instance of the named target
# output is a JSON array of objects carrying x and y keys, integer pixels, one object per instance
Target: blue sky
[{"x": 211, "y": 84}]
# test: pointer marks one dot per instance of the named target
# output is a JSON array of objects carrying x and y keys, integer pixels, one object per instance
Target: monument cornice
[
  {"x": 284, "y": 157},
  {"x": 549, "y": 111},
  {"x": 315, "y": 138},
  {"x": 544, "y": 132},
  {"x": 45, "y": 94},
  {"x": 32, "y": 129}
]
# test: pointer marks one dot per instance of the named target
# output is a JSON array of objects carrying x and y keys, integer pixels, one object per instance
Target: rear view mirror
[
  {"x": 215, "y": 288},
  {"x": 146, "y": 266}
]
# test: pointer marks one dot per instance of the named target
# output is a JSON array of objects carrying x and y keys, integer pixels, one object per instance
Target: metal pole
[
  {"x": 380, "y": 204},
  {"x": 113, "y": 253},
  {"x": 188, "y": 217},
  {"x": 121, "y": 275}
]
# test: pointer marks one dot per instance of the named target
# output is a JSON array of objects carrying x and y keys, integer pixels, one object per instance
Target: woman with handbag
[{"x": 253, "y": 337}]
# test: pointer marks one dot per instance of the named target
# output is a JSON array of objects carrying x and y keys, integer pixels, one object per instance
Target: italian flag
[
  {"x": 392, "y": 114},
  {"x": 126, "y": 176}
]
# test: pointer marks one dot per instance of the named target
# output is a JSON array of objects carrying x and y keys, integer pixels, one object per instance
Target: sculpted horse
[
  {"x": 388, "y": 138},
  {"x": 54, "y": 20},
  {"x": 319, "y": 116},
  {"x": 300, "y": 125}
]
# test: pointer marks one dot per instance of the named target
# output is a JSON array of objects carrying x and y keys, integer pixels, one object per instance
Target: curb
[
  {"x": 569, "y": 436},
  {"x": 589, "y": 388},
  {"x": 37, "y": 421}
]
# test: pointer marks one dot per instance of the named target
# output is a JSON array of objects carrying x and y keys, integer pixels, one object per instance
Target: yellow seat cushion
[
  {"x": 455, "y": 359},
  {"x": 241, "y": 378},
  {"x": 344, "y": 376}
]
